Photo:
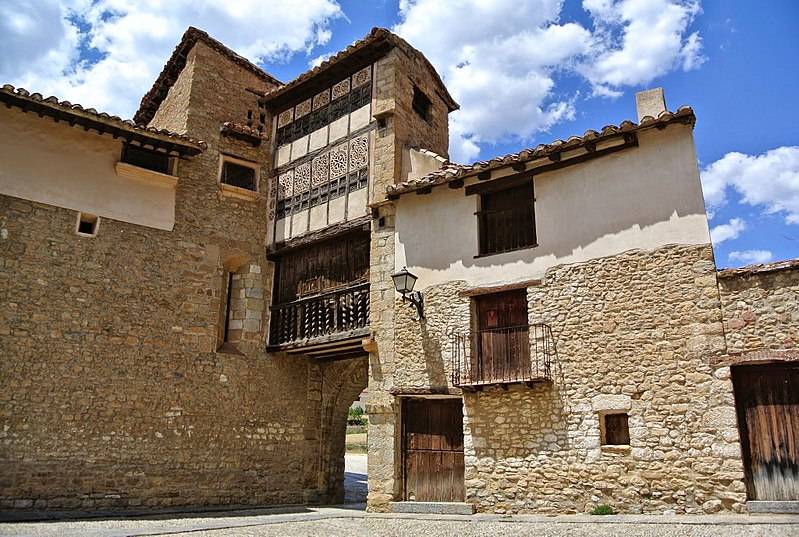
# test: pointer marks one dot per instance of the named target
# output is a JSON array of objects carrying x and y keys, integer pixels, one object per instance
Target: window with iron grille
[
  {"x": 421, "y": 104},
  {"x": 239, "y": 175},
  {"x": 615, "y": 430},
  {"x": 145, "y": 158},
  {"x": 507, "y": 220}
]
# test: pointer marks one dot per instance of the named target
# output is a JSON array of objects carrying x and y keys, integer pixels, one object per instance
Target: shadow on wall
[{"x": 642, "y": 197}]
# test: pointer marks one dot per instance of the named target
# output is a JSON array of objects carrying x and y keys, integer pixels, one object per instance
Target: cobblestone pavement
[{"x": 338, "y": 521}]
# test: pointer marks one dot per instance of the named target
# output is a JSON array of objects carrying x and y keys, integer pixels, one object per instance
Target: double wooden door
[
  {"x": 767, "y": 401},
  {"x": 502, "y": 339},
  {"x": 432, "y": 439}
]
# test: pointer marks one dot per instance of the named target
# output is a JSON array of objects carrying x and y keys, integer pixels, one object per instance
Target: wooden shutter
[{"x": 507, "y": 220}]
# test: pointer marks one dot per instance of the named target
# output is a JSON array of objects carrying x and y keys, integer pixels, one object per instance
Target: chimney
[{"x": 650, "y": 103}]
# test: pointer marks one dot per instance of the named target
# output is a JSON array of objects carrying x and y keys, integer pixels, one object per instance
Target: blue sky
[{"x": 525, "y": 72}]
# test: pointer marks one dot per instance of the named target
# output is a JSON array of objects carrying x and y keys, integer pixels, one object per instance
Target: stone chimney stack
[{"x": 650, "y": 103}]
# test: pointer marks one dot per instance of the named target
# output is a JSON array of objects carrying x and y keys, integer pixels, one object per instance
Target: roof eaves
[
  {"x": 99, "y": 121},
  {"x": 376, "y": 36},
  {"x": 787, "y": 264},
  {"x": 451, "y": 171}
]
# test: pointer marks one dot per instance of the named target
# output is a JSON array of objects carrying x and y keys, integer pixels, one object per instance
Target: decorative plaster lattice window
[
  {"x": 421, "y": 104},
  {"x": 238, "y": 177},
  {"x": 614, "y": 429},
  {"x": 87, "y": 225}
]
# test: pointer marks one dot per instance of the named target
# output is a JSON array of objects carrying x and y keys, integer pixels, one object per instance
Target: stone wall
[
  {"x": 114, "y": 393},
  {"x": 635, "y": 332},
  {"x": 761, "y": 310},
  {"x": 400, "y": 127}
]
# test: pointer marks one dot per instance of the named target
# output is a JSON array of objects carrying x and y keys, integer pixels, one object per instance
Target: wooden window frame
[
  {"x": 482, "y": 238},
  {"x": 625, "y": 429},
  {"x": 170, "y": 160},
  {"x": 236, "y": 191}
]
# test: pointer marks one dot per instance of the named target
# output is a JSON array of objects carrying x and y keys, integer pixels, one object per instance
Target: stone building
[{"x": 192, "y": 300}]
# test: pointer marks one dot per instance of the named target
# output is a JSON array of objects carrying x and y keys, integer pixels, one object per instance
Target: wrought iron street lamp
[{"x": 403, "y": 283}]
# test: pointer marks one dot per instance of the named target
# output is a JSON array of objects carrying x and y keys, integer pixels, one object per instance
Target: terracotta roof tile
[
  {"x": 101, "y": 121},
  {"x": 374, "y": 37},
  {"x": 788, "y": 264},
  {"x": 244, "y": 132},
  {"x": 450, "y": 171}
]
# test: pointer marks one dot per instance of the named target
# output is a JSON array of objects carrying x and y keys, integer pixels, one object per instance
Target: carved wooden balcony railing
[
  {"x": 518, "y": 354},
  {"x": 342, "y": 311}
]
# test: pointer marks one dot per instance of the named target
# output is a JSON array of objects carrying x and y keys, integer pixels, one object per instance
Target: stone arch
[{"x": 340, "y": 383}]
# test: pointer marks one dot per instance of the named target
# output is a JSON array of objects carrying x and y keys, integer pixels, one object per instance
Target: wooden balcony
[
  {"x": 325, "y": 324},
  {"x": 503, "y": 356}
]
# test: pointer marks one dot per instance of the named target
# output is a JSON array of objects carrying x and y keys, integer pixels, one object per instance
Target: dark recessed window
[
  {"x": 238, "y": 175},
  {"x": 615, "y": 430},
  {"x": 507, "y": 220},
  {"x": 87, "y": 224},
  {"x": 144, "y": 158},
  {"x": 421, "y": 104}
]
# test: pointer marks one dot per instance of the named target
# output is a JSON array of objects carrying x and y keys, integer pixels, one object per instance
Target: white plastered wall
[
  {"x": 638, "y": 198},
  {"x": 55, "y": 164}
]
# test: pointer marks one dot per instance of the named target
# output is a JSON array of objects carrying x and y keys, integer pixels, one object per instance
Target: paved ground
[
  {"x": 350, "y": 520},
  {"x": 355, "y": 487},
  {"x": 339, "y": 522}
]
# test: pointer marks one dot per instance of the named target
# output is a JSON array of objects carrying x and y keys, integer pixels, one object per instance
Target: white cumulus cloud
[
  {"x": 729, "y": 231},
  {"x": 749, "y": 257},
  {"x": 636, "y": 41},
  {"x": 501, "y": 59},
  {"x": 769, "y": 181},
  {"x": 128, "y": 42}
]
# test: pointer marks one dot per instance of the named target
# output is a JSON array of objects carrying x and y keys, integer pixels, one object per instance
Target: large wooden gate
[
  {"x": 767, "y": 401},
  {"x": 432, "y": 440}
]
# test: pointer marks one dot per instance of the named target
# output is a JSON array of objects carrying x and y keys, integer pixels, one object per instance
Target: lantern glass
[{"x": 404, "y": 281}]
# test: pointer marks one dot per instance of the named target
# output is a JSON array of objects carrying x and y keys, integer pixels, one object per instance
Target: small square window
[
  {"x": 239, "y": 173},
  {"x": 87, "y": 225},
  {"x": 615, "y": 430},
  {"x": 421, "y": 104}
]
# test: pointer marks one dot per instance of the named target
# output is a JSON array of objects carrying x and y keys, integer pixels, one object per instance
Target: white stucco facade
[
  {"x": 639, "y": 198},
  {"x": 55, "y": 164}
]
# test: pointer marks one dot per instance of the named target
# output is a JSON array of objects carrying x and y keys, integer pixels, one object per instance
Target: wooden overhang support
[
  {"x": 521, "y": 177},
  {"x": 89, "y": 119}
]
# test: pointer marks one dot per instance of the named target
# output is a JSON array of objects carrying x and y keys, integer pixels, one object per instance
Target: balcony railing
[
  {"x": 517, "y": 354},
  {"x": 322, "y": 315}
]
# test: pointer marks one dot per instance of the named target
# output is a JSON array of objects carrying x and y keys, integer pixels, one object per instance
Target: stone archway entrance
[{"x": 335, "y": 384}]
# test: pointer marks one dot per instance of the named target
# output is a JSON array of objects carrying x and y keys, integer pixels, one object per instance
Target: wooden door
[
  {"x": 432, "y": 439},
  {"x": 767, "y": 401},
  {"x": 503, "y": 339}
]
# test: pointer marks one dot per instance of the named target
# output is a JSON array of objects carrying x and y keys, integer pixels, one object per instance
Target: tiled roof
[
  {"x": 169, "y": 74},
  {"x": 788, "y": 264},
  {"x": 374, "y": 37},
  {"x": 99, "y": 121},
  {"x": 450, "y": 171},
  {"x": 243, "y": 132}
]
